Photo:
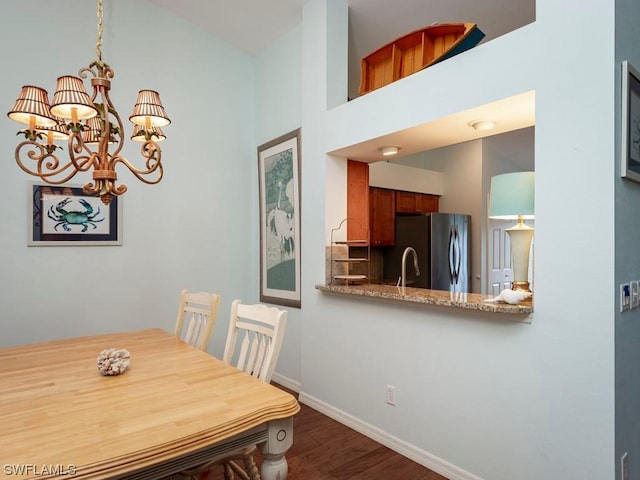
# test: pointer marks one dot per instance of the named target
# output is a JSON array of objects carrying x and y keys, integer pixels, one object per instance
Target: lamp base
[
  {"x": 524, "y": 286},
  {"x": 520, "y": 236}
]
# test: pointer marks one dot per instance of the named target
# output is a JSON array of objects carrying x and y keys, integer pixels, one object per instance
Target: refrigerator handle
[
  {"x": 458, "y": 255},
  {"x": 454, "y": 254},
  {"x": 452, "y": 273}
]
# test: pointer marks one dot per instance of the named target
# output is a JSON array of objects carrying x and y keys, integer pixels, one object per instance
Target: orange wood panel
[
  {"x": 426, "y": 203},
  {"x": 405, "y": 202},
  {"x": 413, "y": 203},
  {"x": 357, "y": 200},
  {"x": 383, "y": 214}
]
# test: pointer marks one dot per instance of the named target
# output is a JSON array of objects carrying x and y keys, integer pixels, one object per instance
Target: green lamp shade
[{"x": 512, "y": 194}]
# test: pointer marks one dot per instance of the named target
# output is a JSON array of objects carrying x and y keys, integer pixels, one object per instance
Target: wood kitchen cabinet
[
  {"x": 370, "y": 210},
  {"x": 412, "y": 202},
  {"x": 382, "y": 208},
  {"x": 357, "y": 201}
]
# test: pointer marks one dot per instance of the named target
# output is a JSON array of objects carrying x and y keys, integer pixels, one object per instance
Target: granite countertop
[{"x": 468, "y": 301}]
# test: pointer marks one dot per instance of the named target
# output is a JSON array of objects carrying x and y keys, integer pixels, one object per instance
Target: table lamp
[{"x": 511, "y": 198}]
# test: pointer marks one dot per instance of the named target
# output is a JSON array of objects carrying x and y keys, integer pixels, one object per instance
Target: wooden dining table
[{"x": 174, "y": 408}]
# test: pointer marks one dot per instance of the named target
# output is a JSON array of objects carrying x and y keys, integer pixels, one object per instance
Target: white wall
[
  {"x": 406, "y": 178},
  {"x": 479, "y": 397},
  {"x": 193, "y": 230}
]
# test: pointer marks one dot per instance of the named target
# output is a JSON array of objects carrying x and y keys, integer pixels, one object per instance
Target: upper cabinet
[
  {"x": 357, "y": 201},
  {"x": 416, "y": 203},
  {"x": 382, "y": 218}
]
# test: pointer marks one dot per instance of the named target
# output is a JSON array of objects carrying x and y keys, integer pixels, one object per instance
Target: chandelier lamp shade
[{"x": 91, "y": 127}]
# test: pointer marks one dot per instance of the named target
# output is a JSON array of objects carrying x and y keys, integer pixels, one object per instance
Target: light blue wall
[
  {"x": 478, "y": 396},
  {"x": 193, "y": 230},
  {"x": 278, "y": 111},
  {"x": 279, "y": 87}
]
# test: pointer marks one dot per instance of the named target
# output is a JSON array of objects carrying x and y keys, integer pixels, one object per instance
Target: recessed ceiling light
[
  {"x": 482, "y": 124},
  {"x": 386, "y": 151}
]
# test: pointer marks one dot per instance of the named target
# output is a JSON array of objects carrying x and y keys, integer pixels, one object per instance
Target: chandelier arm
[
  {"x": 84, "y": 162},
  {"x": 153, "y": 164},
  {"x": 48, "y": 165}
]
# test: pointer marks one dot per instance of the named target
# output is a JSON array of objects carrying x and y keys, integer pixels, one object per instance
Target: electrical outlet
[
  {"x": 625, "y": 297},
  {"x": 624, "y": 466},
  {"x": 391, "y": 395},
  {"x": 635, "y": 295}
]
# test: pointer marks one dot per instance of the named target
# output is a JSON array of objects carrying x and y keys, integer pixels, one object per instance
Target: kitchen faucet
[{"x": 404, "y": 265}]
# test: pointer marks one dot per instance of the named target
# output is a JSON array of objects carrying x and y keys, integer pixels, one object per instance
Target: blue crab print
[{"x": 66, "y": 218}]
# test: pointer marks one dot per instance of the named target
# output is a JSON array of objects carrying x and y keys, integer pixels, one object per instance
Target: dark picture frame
[
  {"x": 279, "y": 201},
  {"x": 63, "y": 215},
  {"x": 630, "y": 167}
]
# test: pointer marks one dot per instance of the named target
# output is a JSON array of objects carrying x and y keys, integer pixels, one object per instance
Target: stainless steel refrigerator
[{"x": 442, "y": 244}]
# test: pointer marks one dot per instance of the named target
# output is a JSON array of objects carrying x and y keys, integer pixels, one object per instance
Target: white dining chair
[
  {"x": 254, "y": 341},
  {"x": 197, "y": 315}
]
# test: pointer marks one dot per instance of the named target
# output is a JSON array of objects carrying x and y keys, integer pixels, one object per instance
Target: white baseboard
[
  {"x": 286, "y": 382},
  {"x": 422, "y": 457}
]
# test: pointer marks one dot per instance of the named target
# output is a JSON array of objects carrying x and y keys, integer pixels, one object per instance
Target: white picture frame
[{"x": 64, "y": 216}]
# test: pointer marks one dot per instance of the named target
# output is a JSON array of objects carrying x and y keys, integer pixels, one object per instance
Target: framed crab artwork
[{"x": 63, "y": 215}]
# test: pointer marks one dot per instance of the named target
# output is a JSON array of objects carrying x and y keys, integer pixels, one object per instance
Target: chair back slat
[
  {"x": 261, "y": 355},
  {"x": 244, "y": 352},
  {"x": 197, "y": 328},
  {"x": 189, "y": 336},
  {"x": 262, "y": 330},
  {"x": 199, "y": 311},
  {"x": 250, "y": 366}
]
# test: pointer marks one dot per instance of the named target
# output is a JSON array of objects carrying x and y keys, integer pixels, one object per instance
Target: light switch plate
[
  {"x": 635, "y": 294},
  {"x": 625, "y": 297}
]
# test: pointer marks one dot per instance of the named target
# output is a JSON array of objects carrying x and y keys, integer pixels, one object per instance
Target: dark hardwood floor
[{"x": 324, "y": 449}]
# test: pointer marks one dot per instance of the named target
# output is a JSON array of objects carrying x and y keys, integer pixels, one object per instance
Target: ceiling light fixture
[
  {"x": 88, "y": 121},
  {"x": 387, "y": 151},
  {"x": 482, "y": 124}
]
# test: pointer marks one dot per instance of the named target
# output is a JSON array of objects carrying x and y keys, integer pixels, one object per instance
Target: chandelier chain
[{"x": 100, "y": 30}]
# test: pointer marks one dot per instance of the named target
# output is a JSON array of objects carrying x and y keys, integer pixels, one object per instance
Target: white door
[{"x": 499, "y": 256}]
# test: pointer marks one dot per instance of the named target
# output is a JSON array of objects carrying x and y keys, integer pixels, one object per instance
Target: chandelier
[{"x": 91, "y": 126}]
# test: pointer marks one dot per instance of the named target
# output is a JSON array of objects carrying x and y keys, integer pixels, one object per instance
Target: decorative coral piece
[
  {"x": 113, "y": 361},
  {"x": 512, "y": 297}
]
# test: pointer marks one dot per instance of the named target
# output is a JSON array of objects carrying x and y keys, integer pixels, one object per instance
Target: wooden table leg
[{"x": 280, "y": 438}]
